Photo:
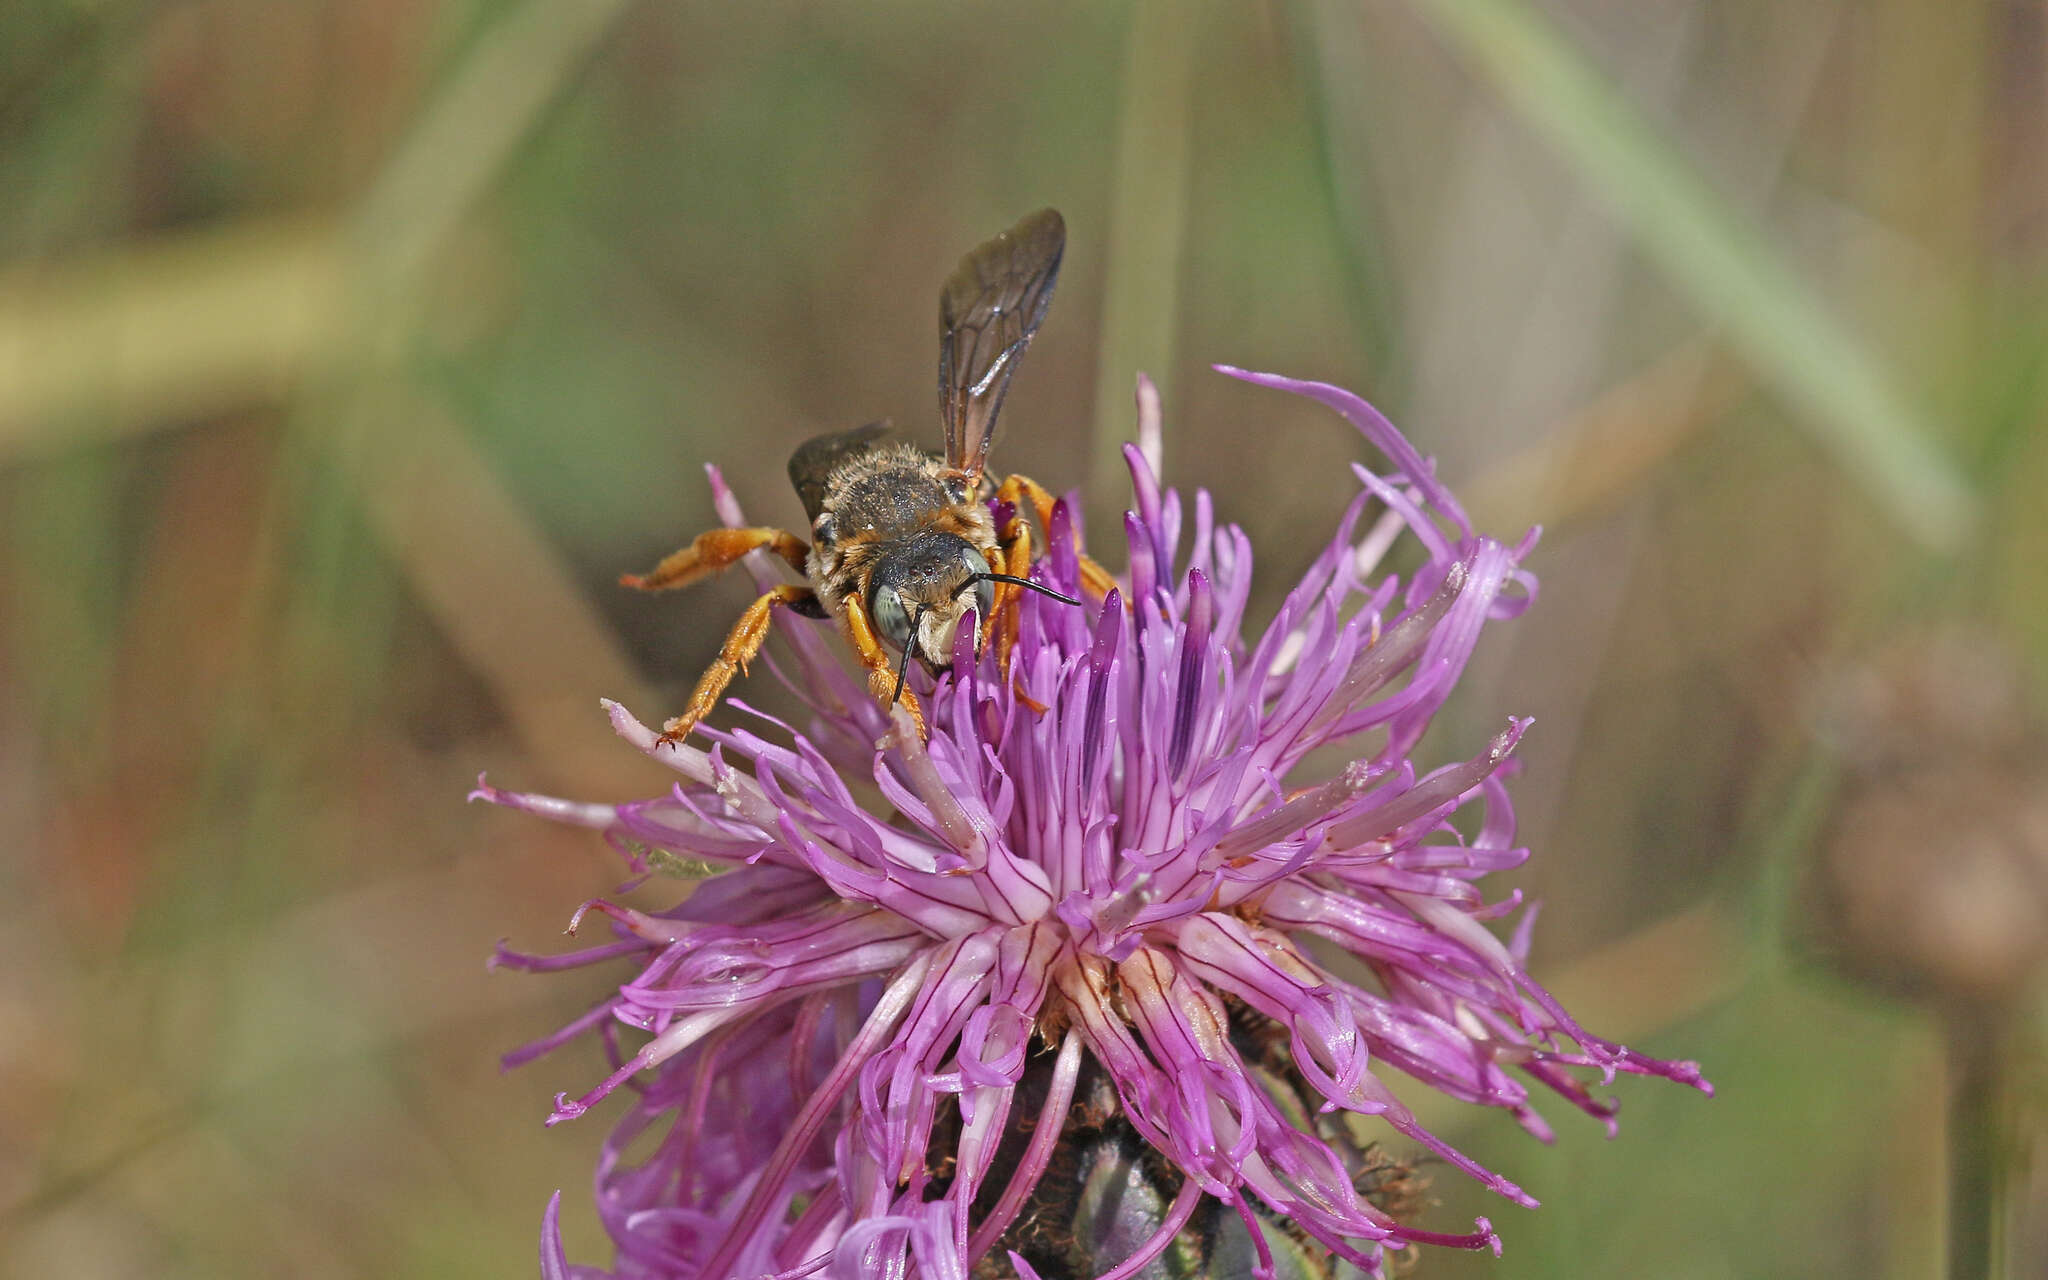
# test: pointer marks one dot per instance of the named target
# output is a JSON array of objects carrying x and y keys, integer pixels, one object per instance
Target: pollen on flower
[{"x": 950, "y": 994}]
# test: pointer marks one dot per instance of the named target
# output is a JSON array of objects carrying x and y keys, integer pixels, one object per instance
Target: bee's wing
[
  {"x": 812, "y": 465},
  {"x": 988, "y": 310}
]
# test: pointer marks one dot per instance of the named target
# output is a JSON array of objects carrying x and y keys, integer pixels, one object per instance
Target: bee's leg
[
  {"x": 1016, "y": 490},
  {"x": 1013, "y": 558},
  {"x": 1011, "y": 555},
  {"x": 741, "y": 644},
  {"x": 881, "y": 675},
  {"x": 715, "y": 550}
]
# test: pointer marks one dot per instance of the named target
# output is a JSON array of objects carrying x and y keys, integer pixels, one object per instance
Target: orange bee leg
[
  {"x": 1011, "y": 555},
  {"x": 881, "y": 672},
  {"x": 715, "y": 550},
  {"x": 1017, "y": 490},
  {"x": 741, "y": 644},
  {"x": 1013, "y": 558}
]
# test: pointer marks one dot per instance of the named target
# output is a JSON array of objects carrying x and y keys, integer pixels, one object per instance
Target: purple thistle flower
[{"x": 866, "y": 1035}]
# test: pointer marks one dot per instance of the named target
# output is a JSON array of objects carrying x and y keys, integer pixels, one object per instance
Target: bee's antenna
[
  {"x": 903, "y": 667},
  {"x": 1039, "y": 587}
]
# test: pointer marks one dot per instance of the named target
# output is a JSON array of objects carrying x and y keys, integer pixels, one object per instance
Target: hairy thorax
[{"x": 881, "y": 498}]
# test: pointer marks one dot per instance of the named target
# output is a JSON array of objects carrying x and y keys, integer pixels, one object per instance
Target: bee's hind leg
[
  {"x": 713, "y": 551},
  {"x": 1017, "y": 490},
  {"x": 741, "y": 644}
]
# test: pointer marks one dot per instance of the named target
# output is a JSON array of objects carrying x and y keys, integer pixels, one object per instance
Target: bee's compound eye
[
  {"x": 886, "y": 607},
  {"x": 972, "y": 564}
]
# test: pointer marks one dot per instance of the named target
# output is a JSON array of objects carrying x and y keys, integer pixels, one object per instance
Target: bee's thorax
[{"x": 887, "y": 508}]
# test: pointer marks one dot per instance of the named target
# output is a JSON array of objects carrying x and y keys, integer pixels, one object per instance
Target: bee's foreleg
[
  {"x": 741, "y": 644},
  {"x": 715, "y": 550},
  {"x": 881, "y": 675},
  {"x": 1019, "y": 489}
]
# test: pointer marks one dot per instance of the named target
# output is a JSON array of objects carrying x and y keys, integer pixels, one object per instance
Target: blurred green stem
[
  {"x": 1333, "y": 60},
  {"x": 1147, "y": 218},
  {"x": 1977, "y": 1146}
]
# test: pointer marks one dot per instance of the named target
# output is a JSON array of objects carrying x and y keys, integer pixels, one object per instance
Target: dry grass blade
[
  {"x": 1729, "y": 270},
  {"x": 149, "y": 335},
  {"x": 1605, "y": 450}
]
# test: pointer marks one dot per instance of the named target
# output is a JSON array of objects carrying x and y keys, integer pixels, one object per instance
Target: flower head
[{"x": 868, "y": 1033}]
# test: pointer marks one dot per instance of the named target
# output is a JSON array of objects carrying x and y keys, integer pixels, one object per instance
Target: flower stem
[{"x": 1977, "y": 1149}]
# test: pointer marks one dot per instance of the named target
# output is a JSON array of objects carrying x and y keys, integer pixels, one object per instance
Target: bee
[
  {"x": 1106, "y": 1190},
  {"x": 903, "y": 545}
]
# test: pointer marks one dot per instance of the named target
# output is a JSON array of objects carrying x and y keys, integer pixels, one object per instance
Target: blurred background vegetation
[{"x": 349, "y": 349}]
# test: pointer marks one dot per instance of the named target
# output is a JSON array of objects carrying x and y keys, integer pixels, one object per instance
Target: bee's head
[{"x": 921, "y": 589}]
